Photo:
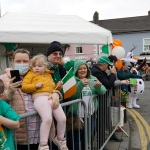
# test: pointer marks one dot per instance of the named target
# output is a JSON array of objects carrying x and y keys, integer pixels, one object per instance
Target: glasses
[{"x": 56, "y": 54}]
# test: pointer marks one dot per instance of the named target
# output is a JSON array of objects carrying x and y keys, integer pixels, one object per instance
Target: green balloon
[
  {"x": 10, "y": 46},
  {"x": 105, "y": 49}
]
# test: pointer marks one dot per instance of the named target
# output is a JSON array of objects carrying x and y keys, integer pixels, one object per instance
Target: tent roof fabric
[{"x": 45, "y": 28}]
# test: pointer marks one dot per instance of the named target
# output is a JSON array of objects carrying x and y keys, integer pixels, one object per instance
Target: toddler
[{"x": 39, "y": 83}]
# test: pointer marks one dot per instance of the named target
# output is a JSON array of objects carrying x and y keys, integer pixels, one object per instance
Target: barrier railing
[
  {"x": 99, "y": 137},
  {"x": 97, "y": 122},
  {"x": 25, "y": 115}
]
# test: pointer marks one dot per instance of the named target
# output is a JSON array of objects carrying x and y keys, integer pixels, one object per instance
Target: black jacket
[
  {"x": 106, "y": 80},
  {"x": 62, "y": 71}
]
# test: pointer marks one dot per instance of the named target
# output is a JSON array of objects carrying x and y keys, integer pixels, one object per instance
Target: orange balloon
[
  {"x": 116, "y": 42},
  {"x": 118, "y": 64}
]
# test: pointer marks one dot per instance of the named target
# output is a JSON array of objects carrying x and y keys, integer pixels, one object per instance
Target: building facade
[{"x": 132, "y": 31}]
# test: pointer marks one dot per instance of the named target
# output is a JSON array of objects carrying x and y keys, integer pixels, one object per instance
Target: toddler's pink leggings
[{"x": 43, "y": 107}]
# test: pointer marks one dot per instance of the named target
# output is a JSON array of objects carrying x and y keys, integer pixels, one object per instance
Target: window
[
  {"x": 146, "y": 45},
  {"x": 79, "y": 50}
]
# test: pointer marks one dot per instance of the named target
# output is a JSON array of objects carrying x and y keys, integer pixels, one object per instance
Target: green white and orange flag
[{"x": 69, "y": 84}]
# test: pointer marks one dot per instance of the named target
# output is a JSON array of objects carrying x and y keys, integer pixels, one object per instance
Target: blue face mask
[{"x": 23, "y": 68}]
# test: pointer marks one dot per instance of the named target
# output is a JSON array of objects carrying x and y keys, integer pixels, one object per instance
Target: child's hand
[{"x": 39, "y": 85}]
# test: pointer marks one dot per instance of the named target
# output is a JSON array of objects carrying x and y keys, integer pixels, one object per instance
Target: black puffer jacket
[{"x": 106, "y": 80}]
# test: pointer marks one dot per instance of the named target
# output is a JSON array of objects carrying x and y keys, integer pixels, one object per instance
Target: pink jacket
[{"x": 17, "y": 103}]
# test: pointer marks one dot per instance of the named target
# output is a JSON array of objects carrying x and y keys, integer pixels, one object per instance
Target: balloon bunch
[{"x": 117, "y": 49}]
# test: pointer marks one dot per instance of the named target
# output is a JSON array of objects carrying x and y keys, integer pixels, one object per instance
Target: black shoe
[{"x": 115, "y": 138}]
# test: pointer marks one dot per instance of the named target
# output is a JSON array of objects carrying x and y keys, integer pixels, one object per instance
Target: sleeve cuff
[{"x": 60, "y": 95}]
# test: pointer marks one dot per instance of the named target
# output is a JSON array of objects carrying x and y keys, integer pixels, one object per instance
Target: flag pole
[
  {"x": 56, "y": 87},
  {"x": 66, "y": 74}
]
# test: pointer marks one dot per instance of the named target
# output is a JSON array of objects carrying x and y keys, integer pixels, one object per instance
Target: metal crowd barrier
[
  {"x": 98, "y": 122},
  {"x": 107, "y": 120}
]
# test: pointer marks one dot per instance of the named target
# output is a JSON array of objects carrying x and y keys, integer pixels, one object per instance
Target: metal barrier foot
[{"x": 115, "y": 138}]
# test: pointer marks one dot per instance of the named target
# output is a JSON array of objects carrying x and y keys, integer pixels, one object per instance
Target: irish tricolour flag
[{"x": 69, "y": 84}]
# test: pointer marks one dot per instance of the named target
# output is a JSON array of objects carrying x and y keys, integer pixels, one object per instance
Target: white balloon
[
  {"x": 118, "y": 51},
  {"x": 139, "y": 88},
  {"x": 2, "y": 50}
]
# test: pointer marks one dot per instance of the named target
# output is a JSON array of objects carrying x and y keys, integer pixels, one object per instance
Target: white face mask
[{"x": 23, "y": 68}]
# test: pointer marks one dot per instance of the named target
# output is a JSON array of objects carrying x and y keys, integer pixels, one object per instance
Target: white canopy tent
[{"x": 45, "y": 28}]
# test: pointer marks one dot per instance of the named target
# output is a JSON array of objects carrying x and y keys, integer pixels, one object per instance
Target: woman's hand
[
  {"x": 55, "y": 100},
  {"x": 12, "y": 88},
  {"x": 85, "y": 81},
  {"x": 98, "y": 83}
]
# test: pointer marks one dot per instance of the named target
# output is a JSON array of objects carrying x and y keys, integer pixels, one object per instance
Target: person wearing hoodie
[{"x": 83, "y": 78}]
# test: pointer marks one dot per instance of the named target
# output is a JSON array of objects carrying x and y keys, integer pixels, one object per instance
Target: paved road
[
  {"x": 144, "y": 102},
  {"x": 139, "y": 120}
]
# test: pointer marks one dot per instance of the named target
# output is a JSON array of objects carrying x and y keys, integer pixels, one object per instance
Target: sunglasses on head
[{"x": 56, "y": 54}]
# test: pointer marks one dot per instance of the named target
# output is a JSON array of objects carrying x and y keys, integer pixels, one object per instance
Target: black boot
[
  {"x": 105, "y": 148},
  {"x": 115, "y": 138}
]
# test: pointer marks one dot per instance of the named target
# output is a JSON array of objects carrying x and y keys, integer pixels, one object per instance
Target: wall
[
  {"x": 89, "y": 51},
  {"x": 133, "y": 38}
]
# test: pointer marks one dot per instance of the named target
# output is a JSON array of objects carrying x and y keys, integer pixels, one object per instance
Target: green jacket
[{"x": 95, "y": 90}]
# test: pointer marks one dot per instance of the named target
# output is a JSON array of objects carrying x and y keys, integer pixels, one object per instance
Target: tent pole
[{"x": 97, "y": 52}]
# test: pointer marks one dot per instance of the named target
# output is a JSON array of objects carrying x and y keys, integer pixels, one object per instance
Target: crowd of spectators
[{"x": 96, "y": 77}]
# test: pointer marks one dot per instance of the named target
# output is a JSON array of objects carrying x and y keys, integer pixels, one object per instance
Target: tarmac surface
[
  {"x": 137, "y": 126},
  {"x": 125, "y": 145}
]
